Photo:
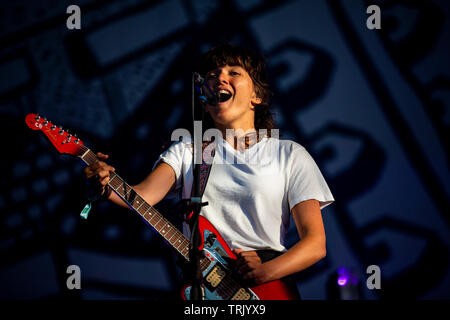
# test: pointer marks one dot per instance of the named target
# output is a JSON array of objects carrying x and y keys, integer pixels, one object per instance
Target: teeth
[{"x": 224, "y": 95}]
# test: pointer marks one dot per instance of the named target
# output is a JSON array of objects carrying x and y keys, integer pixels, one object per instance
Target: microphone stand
[{"x": 195, "y": 254}]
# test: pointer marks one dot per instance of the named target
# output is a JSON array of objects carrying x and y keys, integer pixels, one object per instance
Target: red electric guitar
[{"x": 220, "y": 281}]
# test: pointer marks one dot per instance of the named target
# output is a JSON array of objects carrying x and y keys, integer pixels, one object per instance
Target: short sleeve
[
  {"x": 173, "y": 156},
  {"x": 305, "y": 181}
]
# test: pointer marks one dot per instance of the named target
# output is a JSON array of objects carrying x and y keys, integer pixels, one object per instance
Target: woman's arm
[
  {"x": 153, "y": 188},
  {"x": 310, "y": 249},
  {"x": 157, "y": 184}
]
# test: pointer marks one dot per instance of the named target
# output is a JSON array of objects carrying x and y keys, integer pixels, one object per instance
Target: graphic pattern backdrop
[{"x": 371, "y": 106}]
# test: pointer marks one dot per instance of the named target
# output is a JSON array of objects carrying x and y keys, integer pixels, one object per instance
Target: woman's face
[{"x": 237, "y": 97}]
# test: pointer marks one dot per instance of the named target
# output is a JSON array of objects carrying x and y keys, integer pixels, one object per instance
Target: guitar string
[
  {"x": 179, "y": 241},
  {"x": 160, "y": 217}
]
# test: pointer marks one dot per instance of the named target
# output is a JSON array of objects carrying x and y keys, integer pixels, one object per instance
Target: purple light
[
  {"x": 342, "y": 281},
  {"x": 342, "y": 271}
]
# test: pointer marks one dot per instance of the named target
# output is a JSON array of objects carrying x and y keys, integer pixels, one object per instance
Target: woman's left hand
[{"x": 250, "y": 266}]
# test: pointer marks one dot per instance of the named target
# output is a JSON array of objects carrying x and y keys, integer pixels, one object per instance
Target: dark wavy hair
[{"x": 255, "y": 65}]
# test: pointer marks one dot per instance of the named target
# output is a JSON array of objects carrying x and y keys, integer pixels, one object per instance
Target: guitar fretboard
[{"x": 161, "y": 225}]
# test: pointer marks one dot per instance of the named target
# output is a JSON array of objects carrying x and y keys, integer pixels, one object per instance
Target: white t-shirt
[{"x": 250, "y": 194}]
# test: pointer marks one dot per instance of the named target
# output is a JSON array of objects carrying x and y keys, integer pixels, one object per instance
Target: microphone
[{"x": 207, "y": 95}]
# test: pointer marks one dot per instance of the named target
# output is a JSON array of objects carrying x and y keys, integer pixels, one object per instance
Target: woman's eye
[
  {"x": 211, "y": 75},
  {"x": 234, "y": 73}
]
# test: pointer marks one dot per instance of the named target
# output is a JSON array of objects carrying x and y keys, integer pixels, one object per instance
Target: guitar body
[{"x": 220, "y": 282}]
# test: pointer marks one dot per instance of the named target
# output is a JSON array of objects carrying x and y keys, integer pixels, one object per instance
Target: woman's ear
[{"x": 255, "y": 99}]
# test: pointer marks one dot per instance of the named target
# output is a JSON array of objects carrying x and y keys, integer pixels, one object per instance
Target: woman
[{"x": 250, "y": 200}]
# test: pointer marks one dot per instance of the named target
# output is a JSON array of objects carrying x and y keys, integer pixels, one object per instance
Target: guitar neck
[{"x": 161, "y": 225}]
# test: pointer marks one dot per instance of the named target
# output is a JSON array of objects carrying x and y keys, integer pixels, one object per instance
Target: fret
[
  {"x": 173, "y": 240},
  {"x": 114, "y": 181},
  {"x": 204, "y": 264},
  {"x": 121, "y": 191},
  {"x": 168, "y": 231},
  {"x": 91, "y": 158},
  {"x": 178, "y": 242},
  {"x": 137, "y": 203},
  {"x": 132, "y": 197},
  {"x": 165, "y": 229},
  {"x": 124, "y": 190},
  {"x": 88, "y": 156},
  {"x": 185, "y": 245},
  {"x": 82, "y": 156},
  {"x": 147, "y": 216},
  {"x": 120, "y": 186},
  {"x": 176, "y": 236},
  {"x": 130, "y": 193},
  {"x": 172, "y": 232},
  {"x": 143, "y": 208},
  {"x": 207, "y": 262},
  {"x": 159, "y": 224},
  {"x": 185, "y": 252},
  {"x": 154, "y": 219}
]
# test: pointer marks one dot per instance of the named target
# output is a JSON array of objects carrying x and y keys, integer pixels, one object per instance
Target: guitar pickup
[
  {"x": 215, "y": 277},
  {"x": 241, "y": 294}
]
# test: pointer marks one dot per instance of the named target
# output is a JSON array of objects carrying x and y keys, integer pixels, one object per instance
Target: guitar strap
[{"x": 205, "y": 169}]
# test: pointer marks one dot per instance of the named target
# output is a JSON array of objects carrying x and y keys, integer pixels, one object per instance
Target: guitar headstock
[{"x": 63, "y": 141}]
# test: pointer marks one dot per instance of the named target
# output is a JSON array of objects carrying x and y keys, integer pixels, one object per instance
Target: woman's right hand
[{"x": 98, "y": 173}]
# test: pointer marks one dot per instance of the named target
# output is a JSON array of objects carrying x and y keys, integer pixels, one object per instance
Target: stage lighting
[{"x": 344, "y": 285}]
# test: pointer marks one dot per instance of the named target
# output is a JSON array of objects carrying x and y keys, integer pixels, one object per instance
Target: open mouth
[{"x": 224, "y": 95}]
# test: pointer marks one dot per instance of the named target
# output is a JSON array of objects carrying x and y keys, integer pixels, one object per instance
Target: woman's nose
[{"x": 222, "y": 77}]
